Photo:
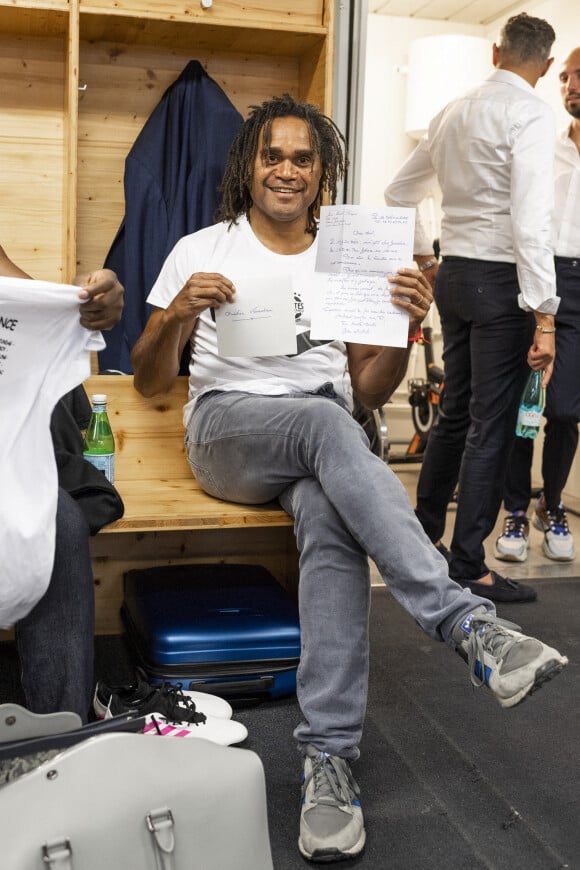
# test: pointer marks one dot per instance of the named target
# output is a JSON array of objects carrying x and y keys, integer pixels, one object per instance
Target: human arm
[
  {"x": 531, "y": 210},
  {"x": 532, "y": 196},
  {"x": 157, "y": 354},
  {"x": 377, "y": 371},
  {"x": 412, "y": 183},
  {"x": 101, "y": 294}
]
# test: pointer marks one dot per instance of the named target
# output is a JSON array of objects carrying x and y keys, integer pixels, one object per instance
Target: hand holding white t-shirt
[{"x": 44, "y": 353}]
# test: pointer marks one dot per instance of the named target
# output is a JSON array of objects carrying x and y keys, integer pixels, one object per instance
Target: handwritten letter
[{"x": 357, "y": 247}]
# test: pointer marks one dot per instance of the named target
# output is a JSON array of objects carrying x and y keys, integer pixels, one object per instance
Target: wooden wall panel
[
  {"x": 121, "y": 85},
  {"x": 32, "y": 154}
]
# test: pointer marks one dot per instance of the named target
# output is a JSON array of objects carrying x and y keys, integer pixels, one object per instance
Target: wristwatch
[{"x": 428, "y": 265}]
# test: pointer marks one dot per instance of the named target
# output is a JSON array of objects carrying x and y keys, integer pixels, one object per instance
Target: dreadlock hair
[
  {"x": 526, "y": 39},
  {"x": 326, "y": 140}
]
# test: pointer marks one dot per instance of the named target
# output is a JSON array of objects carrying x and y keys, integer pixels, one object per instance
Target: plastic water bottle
[
  {"x": 531, "y": 407},
  {"x": 99, "y": 446}
]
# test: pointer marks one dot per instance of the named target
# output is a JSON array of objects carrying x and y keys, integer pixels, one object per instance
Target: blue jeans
[
  {"x": 486, "y": 337},
  {"x": 307, "y": 451},
  {"x": 55, "y": 641}
]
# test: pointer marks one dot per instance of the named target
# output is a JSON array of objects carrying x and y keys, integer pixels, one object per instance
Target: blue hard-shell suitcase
[{"x": 231, "y": 630}]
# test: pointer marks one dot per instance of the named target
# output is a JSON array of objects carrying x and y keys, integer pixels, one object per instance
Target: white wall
[{"x": 384, "y": 143}]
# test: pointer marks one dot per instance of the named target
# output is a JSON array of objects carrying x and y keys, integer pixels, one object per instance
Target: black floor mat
[{"x": 448, "y": 778}]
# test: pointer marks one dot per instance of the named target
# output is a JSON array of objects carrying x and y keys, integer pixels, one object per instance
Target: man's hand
[
  {"x": 101, "y": 296},
  {"x": 203, "y": 290},
  {"x": 412, "y": 293},
  {"x": 542, "y": 353}
]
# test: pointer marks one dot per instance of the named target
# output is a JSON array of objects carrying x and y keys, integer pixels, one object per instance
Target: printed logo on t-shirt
[
  {"x": 303, "y": 341},
  {"x": 298, "y": 307}
]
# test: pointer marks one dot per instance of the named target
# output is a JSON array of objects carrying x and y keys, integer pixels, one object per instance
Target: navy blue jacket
[{"x": 172, "y": 175}]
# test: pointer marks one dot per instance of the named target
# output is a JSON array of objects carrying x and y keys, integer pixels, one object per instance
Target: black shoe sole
[
  {"x": 544, "y": 674},
  {"x": 329, "y": 856}
]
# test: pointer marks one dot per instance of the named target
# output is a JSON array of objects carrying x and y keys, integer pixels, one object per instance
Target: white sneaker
[
  {"x": 502, "y": 659},
  {"x": 512, "y": 545},
  {"x": 222, "y": 731},
  {"x": 558, "y": 539}
]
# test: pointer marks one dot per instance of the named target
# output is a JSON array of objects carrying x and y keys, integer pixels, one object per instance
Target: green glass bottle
[
  {"x": 99, "y": 446},
  {"x": 531, "y": 407}
]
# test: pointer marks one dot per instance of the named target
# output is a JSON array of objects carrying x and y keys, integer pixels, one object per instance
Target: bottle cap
[{"x": 99, "y": 399}]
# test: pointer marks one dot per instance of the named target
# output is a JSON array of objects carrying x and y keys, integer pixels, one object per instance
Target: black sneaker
[
  {"x": 140, "y": 697},
  {"x": 134, "y": 693},
  {"x": 170, "y": 711},
  {"x": 503, "y": 589}
]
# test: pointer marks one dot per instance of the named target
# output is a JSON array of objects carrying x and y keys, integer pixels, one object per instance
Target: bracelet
[
  {"x": 545, "y": 331},
  {"x": 419, "y": 337},
  {"x": 428, "y": 265}
]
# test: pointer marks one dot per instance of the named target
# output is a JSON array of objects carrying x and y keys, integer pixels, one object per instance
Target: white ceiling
[{"x": 466, "y": 11}]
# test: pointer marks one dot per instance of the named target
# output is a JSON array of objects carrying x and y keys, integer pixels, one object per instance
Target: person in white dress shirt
[
  {"x": 562, "y": 410},
  {"x": 492, "y": 152}
]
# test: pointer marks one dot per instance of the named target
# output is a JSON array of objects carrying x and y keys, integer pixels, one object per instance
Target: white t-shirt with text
[{"x": 44, "y": 353}]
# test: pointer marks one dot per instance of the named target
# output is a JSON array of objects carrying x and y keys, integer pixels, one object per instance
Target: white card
[{"x": 260, "y": 322}]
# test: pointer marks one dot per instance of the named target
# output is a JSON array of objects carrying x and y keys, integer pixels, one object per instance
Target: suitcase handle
[{"x": 233, "y": 687}]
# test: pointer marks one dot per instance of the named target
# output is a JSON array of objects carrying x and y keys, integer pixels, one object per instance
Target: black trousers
[
  {"x": 562, "y": 410},
  {"x": 486, "y": 337}
]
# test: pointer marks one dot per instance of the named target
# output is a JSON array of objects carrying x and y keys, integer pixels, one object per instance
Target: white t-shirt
[
  {"x": 44, "y": 353},
  {"x": 234, "y": 252}
]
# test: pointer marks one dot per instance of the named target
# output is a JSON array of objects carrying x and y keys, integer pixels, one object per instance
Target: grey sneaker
[
  {"x": 512, "y": 544},
  {"x": 558, "y": 539},
  {"x": 331, "y": 820},
  {"x": 501, "y": 659}
]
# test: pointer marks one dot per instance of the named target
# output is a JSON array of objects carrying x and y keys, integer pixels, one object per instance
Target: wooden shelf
[
  {"x": 181, "y": 32},
  {"x": 265, "y": 13}
]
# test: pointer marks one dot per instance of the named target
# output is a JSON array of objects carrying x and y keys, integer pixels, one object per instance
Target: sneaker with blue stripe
[
  {"x": 502, "y": 659},
  {"x": 331, "y": 820}
]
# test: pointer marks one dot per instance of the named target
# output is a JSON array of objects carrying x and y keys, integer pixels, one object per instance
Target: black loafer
[{"x": 502, "y": 589}]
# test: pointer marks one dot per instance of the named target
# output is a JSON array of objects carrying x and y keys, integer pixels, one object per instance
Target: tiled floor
[{"x": 536, "y": 565}]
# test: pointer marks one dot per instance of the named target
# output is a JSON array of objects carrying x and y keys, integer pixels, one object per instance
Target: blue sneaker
[
  {"x": 331, "y": 820},
  {"x": 501, "y": 659}
]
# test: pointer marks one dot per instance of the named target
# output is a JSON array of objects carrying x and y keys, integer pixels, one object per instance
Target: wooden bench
[{"x": 168, "y": 518}]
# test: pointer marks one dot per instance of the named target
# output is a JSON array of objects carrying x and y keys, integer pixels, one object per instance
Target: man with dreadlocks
[{"x": 280, "y": 427}]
